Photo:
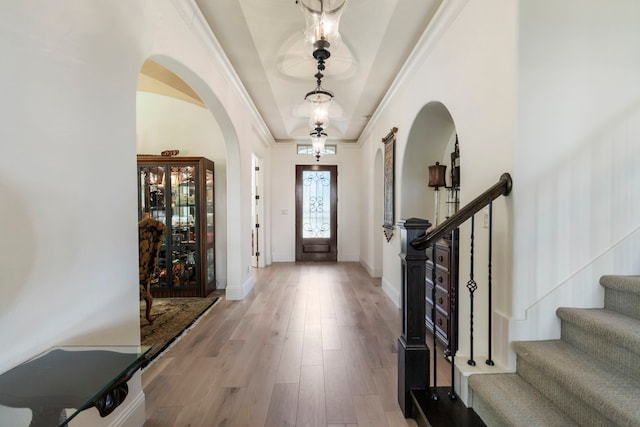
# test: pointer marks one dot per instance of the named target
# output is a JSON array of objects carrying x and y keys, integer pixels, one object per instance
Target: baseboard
[
  {"x": 132, "y": 416},
  {"x": 234, "y": 294},
  {"x": 282, "y": 257},
  {"x": 131, "y": 413},
  {"x": 348, "y": 257},
  {"x": 372, "y": 272},
  {"x": 392, "y": 293}
]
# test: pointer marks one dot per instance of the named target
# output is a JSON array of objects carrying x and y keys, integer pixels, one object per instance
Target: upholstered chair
[{"x": 150, "y": 234}]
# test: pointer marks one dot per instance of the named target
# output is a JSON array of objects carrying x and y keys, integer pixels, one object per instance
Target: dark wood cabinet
[
  {"x": 179, "y": 192},
  {"x": 442, "y": 275}
]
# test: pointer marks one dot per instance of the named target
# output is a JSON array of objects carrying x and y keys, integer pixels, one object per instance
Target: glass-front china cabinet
[{"x": 179, "y": 192}]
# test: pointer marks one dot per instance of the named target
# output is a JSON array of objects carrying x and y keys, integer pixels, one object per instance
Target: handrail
[{"x": 501, "y": 188}]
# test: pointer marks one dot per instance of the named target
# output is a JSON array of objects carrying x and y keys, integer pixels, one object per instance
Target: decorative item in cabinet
[
  {"x": 446, "y": 291},
  {"x": 179, "y": 192}
]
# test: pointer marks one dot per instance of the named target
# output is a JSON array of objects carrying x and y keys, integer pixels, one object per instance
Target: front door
[{"x": 316, "y": 213}]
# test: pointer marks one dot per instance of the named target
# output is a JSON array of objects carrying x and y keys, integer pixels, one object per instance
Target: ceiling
[
  {"x": 264, "y": 41},
  {"x": 155, "y": 78}
]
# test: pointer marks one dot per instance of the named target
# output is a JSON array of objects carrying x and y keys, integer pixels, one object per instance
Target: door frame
[
  {"x": 258, "y": 253},
  {"x": 332, "y": 253}
]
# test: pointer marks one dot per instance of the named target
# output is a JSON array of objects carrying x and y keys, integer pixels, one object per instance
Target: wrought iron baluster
[
  {"x": 453, "y": 289},
  {"x": 434, "y": 395},
  {"x": 489, "y": 361},
  {"x": 471, "y": 286}
]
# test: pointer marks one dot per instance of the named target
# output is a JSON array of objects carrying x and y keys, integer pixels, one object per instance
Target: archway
[
  {"x": 431, "y": 139},
  {"x": 222, "y": 146}
]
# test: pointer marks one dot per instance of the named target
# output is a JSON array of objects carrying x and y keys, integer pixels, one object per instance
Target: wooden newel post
[{"x": 413, "y": 353}]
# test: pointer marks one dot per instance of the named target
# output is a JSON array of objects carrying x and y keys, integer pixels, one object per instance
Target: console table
[{"x": 63, "y": 381}]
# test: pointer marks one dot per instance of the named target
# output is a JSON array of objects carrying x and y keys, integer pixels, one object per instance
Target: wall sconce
[
  {"x": 453, "y": 192},
  {"x": 436, "y": 180}
]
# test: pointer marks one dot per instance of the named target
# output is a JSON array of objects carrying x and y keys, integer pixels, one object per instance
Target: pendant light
[
  {"x": 322, "y": 18},
  {"x": 318, "y": 139},
  {"x": 320, "y": 100}
]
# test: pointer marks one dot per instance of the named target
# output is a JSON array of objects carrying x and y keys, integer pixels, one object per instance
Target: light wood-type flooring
[{"x": 313, "y": 344}]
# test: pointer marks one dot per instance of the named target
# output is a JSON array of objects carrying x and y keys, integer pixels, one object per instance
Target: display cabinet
[{"x": 179, "y": 192}]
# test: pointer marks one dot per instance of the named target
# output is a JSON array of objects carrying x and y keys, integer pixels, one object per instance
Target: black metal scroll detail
[
  {"x": 111, "y": 399},
  {"x": 471, "y": 286},
  {"x": 108, "y": 401}
]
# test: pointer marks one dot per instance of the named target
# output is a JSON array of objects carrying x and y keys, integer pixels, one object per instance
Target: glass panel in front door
[{"x": 316, "y": 204}]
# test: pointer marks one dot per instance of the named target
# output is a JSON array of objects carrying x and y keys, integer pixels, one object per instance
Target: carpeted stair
[{"x": 590, "y": 377}]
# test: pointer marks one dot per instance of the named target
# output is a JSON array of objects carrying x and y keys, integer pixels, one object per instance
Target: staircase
[{"x": 590, "y": 377}]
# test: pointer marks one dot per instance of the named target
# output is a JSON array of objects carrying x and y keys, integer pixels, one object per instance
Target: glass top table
[{"x": 63, "y": 381}]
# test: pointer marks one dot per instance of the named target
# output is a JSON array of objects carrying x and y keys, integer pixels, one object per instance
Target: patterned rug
[{"x": 171, "y": 317}]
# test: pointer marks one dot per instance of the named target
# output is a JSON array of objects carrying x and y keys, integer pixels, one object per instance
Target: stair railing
[{"x": 413, "y": 352}]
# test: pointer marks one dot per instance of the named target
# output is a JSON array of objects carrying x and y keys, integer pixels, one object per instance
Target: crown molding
[
  {"x": 445, "y": 15},
  {"x": 192, "y": 16}
]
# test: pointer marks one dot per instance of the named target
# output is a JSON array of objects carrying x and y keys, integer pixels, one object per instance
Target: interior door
[{"x": 316, "y": 213}]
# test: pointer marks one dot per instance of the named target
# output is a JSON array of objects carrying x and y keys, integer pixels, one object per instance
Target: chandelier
[{"x": 322, "y": 18}]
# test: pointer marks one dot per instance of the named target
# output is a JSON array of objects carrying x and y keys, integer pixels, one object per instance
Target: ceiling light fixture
[
  {"x": 322, "y": 18},
  {"x": 318, "y": 138},
  {"x": 320, "y": 100}
]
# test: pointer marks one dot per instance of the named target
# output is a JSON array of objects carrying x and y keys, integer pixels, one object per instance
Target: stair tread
[
  {"x": 611, "y": 392},
  {"x": 517, "y": 402},
  {"x": 630, "y": 284},
  {"x": 616, "y": 327}
]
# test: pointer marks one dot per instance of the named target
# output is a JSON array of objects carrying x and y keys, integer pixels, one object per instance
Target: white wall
[
  {"x": 284, "y": 159},
  {"x": 576, "y": 205},
  {"x": 67, "y": 173},
  {"x": 371, "y": 220},
  {"x": 164, "y": 123}
]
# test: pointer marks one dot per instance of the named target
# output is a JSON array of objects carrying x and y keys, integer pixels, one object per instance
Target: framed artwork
[{"x": 389, "y": 142}]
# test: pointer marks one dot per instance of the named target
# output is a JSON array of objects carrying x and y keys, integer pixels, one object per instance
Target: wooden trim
[{"x": 501, "y": 188}]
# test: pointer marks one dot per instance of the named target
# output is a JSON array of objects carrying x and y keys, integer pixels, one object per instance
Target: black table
[{"x": 63, "y": 381}]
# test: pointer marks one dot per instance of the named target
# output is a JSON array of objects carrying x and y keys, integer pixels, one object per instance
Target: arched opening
[
  {"x": 171, "y": 116},
  {"x": 431, "y": 139},
  {"x": 177, "y": 111}
]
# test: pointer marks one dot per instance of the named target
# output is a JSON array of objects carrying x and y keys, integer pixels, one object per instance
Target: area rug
[{"x": 171, "y": 318}]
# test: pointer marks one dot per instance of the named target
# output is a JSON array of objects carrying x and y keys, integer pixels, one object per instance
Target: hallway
[{"x": 313, "y": 344}]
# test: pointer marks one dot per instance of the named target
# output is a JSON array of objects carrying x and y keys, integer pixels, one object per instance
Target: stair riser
[
  {"x": 486, "y": 412},
  {"x": 602, "y": 348},
  {"x": 622, "y": 302},
  {"x": 582, "y": 412}
]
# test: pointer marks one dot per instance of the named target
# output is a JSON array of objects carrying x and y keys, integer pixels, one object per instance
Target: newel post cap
[{"x": 411, "y": 229}]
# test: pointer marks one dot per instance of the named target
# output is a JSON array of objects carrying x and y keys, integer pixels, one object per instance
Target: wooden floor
[{"x": 313, "y": 344}]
